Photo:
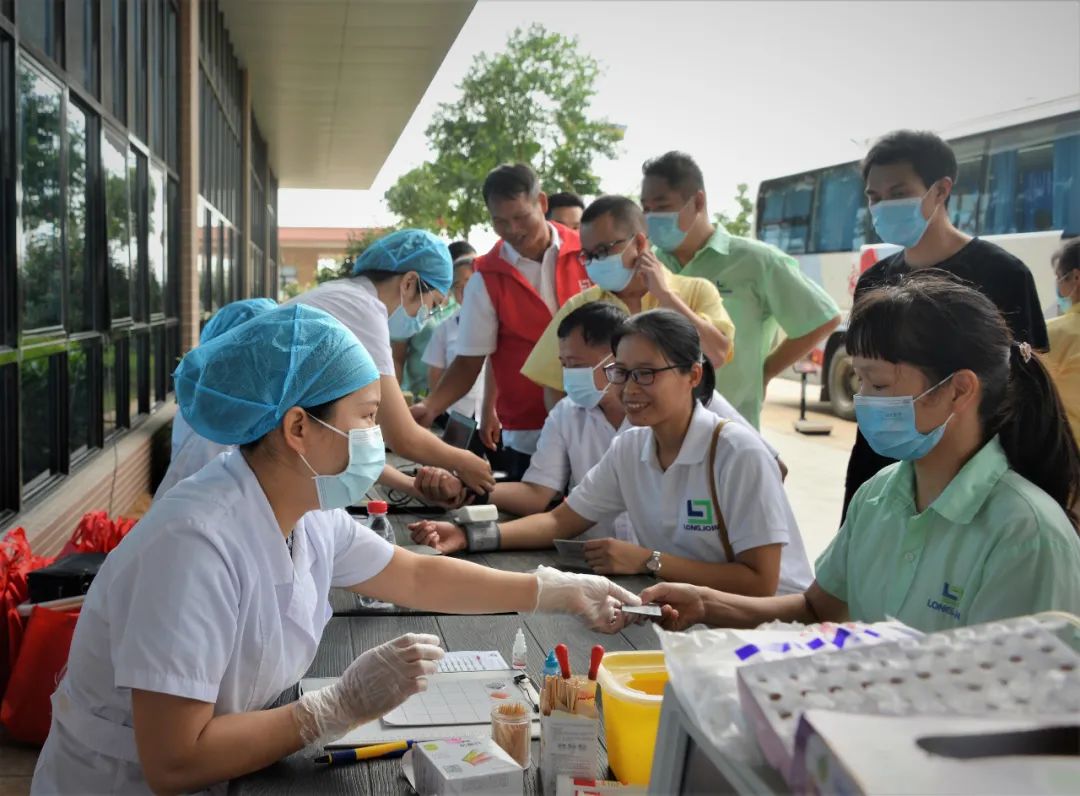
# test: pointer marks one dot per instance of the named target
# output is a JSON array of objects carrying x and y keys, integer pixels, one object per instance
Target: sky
[{"x": 755, "y": 90}]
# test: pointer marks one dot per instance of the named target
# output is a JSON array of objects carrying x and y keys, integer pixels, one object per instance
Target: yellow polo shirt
[
  {"x": 1063, "y": 362},
  {"x": 700, "y": 295}
]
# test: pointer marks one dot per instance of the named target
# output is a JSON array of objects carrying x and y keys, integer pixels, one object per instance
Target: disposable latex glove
[
  {"x": 373, "y": 685},
  {"x": 593, "y": 598}
]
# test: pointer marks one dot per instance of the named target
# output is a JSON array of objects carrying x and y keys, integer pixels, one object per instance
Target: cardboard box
[
  {"x": 857, "y": 754},
  {"x": 459, "y": 766},
  {"x": 570, "y": 745}
]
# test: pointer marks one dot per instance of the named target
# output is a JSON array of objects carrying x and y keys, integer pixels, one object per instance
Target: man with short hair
[
  {"x": 909, "y": 176},
  {"x": 763, "y": 288},
  {"x": 532, "y": 270},
  {"x": 566, "y": 208},
  {"x": 626, "y": 273}
]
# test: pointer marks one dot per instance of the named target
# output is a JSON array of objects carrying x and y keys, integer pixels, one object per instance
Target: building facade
[{"x": 138, "y": 195}]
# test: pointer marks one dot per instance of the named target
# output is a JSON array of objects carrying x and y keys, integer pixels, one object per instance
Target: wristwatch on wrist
[{"x": 654, "y": 563}]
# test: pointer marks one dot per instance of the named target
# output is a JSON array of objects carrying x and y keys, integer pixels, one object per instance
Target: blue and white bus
[{"x": 1018, "y": 186}]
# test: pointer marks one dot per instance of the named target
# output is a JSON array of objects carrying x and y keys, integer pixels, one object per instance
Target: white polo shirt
[
  {"x": 478, "y": 333},
  {"x": 574, "y": 439},
  {"x": 672, "y": 510},
  {"x": 441, "y": 350},
  {"x": 355, "y": 302},
  {"x": 202, "y": 600}
]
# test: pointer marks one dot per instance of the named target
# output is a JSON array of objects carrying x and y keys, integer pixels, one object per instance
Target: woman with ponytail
[
  {"x": 704, "y": 495},
  {"x": 974, "y": 522}
]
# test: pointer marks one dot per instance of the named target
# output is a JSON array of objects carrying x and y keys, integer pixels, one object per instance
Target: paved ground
[{"x": 815, "y": 483}]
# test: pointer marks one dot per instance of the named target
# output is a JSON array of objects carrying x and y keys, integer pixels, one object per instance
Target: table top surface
[{"x": 354, "y": 629}]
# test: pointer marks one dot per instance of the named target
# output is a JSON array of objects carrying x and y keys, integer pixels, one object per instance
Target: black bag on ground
[{"x": 68, "y": 577}]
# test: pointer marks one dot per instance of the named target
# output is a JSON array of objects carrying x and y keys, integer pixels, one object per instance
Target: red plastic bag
[
  {"x": 96, "y": 533},
  {"x": 26, "y": 711},
  {"x": 16, "y": 561}
]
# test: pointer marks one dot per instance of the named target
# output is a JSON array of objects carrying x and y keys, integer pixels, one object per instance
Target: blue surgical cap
[
  {"x": 234, "y": 314},
  {"x": 410, "y": 250},
  {"x": 238, "y": 386}
]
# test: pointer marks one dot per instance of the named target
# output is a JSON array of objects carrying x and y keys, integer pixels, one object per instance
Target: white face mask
[{"x": 367, "y": 457}]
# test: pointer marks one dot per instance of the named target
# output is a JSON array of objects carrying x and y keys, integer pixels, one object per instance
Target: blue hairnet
[
  {"x": 237, "y": 387},
  {"x": 410, "y": 250},
  {"x": 234, "y": 314}
]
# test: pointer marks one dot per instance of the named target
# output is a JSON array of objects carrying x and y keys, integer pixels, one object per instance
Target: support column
[
  {"x": 189, "y": 173},
  {"x": 245, "y": 181}
]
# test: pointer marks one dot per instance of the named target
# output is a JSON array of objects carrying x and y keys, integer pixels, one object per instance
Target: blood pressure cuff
[{"x": 71, "y": 576}]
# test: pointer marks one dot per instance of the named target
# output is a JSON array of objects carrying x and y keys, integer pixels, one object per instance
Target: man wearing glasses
[{"x": 618, "y": 257}]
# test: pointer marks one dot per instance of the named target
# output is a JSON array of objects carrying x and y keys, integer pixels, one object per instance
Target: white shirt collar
[
  {"x": 511, "y": 255},
  {"x": 695, "y": 446}
]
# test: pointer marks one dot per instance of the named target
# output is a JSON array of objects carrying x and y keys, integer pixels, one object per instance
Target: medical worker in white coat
[
  {"x": 190, "y": 452},
  {"x": 216, "y": 601}
]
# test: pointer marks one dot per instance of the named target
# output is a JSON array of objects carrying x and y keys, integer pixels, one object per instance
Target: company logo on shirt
[
  {"x": 699, "y": 516},
  {"x": 949, "y": 601}
]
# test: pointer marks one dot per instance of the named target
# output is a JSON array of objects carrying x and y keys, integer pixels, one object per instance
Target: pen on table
[
  {"x": 376, "y": 752},
  {"x": 562, "y": 652}
]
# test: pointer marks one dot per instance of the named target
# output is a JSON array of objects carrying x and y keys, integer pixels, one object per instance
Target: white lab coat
[
  {"x": 202, "y": 601},
  {"x": 190, "y": 453}
]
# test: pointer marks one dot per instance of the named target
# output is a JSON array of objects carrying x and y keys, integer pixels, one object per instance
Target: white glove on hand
[
  {"x": 373, "y": 685},
  {"x": 592, "y": 597}
]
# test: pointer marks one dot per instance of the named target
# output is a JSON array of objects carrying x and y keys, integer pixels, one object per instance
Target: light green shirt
[
  {"x": 763, "y": 291},
  {"x": 992, "y": 546},
  {"x": 414, "y": 373}
]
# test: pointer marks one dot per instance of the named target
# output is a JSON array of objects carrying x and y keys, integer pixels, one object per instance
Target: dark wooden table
[{"x": 353, "y": 630}]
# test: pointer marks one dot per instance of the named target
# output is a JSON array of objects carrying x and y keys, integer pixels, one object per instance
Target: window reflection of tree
[
  {"x": 40, "y": 210},
  {"x": 34, "y": 421},
  {"x": 114, "y": 161},
  {"x": 80, "y": 285}
]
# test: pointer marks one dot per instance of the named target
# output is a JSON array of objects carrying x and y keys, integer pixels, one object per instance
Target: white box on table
[
  {"x": 569, "y": 744},
  {"x": 857, "y": 754},
  {"x": 459, "y": 766}
]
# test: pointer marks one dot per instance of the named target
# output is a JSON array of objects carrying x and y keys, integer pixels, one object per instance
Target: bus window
[
  {"x": 1035, "y": 188},
  {"x": 964, "y": 200},
  {"x": 836, "y": 216},
  {"x": 999, "y": 215},
  {"x": 785, "y": 214},
  {"x": 1067, "y": 184}
]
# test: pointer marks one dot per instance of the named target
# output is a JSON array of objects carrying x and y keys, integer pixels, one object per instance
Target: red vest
[{"x": 523, "y": 316}]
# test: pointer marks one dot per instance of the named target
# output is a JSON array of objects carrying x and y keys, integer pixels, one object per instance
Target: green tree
[
  {"x": 530, "y": 103},
  {"x": 743, "y": 222}
]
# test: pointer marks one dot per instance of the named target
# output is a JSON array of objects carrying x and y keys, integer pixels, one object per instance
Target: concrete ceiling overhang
[{"x": 334, "y": 82}]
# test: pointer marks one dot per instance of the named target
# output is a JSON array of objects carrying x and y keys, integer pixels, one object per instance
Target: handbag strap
[{"x": 721, "y": 526}]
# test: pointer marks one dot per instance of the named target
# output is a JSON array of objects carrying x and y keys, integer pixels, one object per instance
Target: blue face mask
[
  {"x": 367, "y": 457},
  {"x": 888, "y": 423},
  {"x": 580, "y": 387},
  {"x": 1064, "y": 304},
  {"x": 402, "y": 326},
  {"x": 900, "y": 221},
  {"x": 609, "y": 272},
  {"x": 664, "y": 229}
]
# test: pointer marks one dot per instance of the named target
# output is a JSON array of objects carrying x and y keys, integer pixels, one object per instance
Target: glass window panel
[
  {"x": 1067, "y": 184},
  {"x": 119, "y": 58},
  {"x": 37, "y": 424},
  {"x": 172, "y": 249},
  {"x": 798, "y": 200},
  {"x": 999, "y": 215},
  {"x": 172, "y": 85},
  {"x": 81, "y": 398},
  {"x": 204, "y": 265},
  {"x": 111, "y": 389},
  {"x": 964, "y": 200},
  {"x": 41, "y": 23},
  {"x": 137, "y": 11},
  {"x": 80, "y": 315},
  {"x": 173, "y": 335},
  {"x": 139, "y": 358},
  {"x": 155, "y": 40},
  {"x": 40, "y": 269},
  {"x": 156, "y": 253},
  {"x": 837, "y": 211},
  {"x": 7, "y": 8},
  {"x": 82, "y": 42},
  {"x": 117, "y": 221},
  {"x": 137, "y": 209},
  {"x": 159, "y": 357},
  {"x": 1035, "y": 188},
  {"x": 217, "y": 251}
]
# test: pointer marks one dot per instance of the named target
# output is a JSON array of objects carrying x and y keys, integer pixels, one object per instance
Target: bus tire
[{"x": 842, "y": 385}]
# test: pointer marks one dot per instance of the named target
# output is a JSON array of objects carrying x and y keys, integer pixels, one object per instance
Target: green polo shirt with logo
[
  {"x": 992, "y": 546},
  {"x": 763, "y": 291}
]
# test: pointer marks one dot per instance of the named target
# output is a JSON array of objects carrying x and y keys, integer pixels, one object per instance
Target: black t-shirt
[{"x": 991, "y": 270}]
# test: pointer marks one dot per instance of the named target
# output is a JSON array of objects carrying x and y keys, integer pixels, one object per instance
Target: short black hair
[
  {"x": 1067, "y": 258},
  {"x": 461, "y": 248},
  {"x": 598, "y": 321},
  {"x": 929, "y": 155},
  {"x": 564, "y": 199},
  {"x": 679, "y": 171},
  {"x": 511, "y": 180},
  {"x": 625, "y": 212}
]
